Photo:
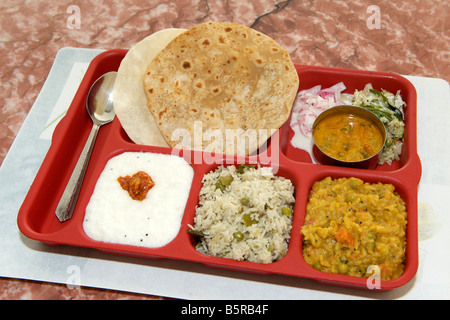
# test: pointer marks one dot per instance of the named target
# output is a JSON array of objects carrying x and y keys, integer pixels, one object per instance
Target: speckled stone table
[{"x": 406, "y": 37}]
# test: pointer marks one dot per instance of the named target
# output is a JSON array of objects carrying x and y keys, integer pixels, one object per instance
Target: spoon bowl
[{"x": 99, "y": 105}]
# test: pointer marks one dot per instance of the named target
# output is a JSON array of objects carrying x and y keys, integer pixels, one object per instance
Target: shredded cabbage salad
[{"x": 386, "y": 105}]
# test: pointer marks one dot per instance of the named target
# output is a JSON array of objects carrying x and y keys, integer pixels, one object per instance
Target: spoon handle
[{"x": 69, "y": 198}]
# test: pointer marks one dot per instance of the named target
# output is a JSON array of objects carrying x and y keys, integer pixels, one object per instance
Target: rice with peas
[
  {"x": 351, "y": 225},
  {"x": 244, "y": 213}
]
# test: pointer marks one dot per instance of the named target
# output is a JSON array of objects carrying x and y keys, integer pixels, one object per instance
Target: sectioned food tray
[{"x": 36, "y": 218}]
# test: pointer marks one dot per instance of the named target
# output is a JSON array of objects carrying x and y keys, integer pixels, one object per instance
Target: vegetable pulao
[{"x": 244, "y": 213}]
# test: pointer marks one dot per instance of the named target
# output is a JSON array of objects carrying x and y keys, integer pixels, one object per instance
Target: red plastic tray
[{"x": 36, "y": 218}]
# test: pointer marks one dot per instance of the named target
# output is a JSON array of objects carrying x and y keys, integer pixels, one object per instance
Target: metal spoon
[{"x": 99, "y": 105}]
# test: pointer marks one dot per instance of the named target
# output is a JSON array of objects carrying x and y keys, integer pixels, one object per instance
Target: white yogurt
[{"x": 113, "y": 216}]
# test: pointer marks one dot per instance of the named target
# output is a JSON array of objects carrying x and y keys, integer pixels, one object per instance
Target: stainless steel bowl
[{"x": 369, "y": 163}]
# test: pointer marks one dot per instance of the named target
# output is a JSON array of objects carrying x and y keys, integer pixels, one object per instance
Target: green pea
[
  {"x": 317, "y": 265},
  {"x": 286, "y": 211},
  {"x": 242, "y": 167},
  {"x": 354, "y": 183},
  {"x": 239, "y": 236},
  {"x": 371, "y": 235},
  {"x": 350, "y": 197},
  {"x": 226, "y": 180},
  {"x": 245, "y": 201},
  {"x": 220, "y": 186},
  {"x": 248, "y": 221},
  {"x": 342, "y": 268}
]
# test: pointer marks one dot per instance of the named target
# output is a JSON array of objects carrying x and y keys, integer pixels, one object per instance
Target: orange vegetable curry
[{"x": 348, "y": 137}]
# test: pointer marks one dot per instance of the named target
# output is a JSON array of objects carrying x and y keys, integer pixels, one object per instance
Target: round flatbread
[
  {"x": 130, "y": 102},
  {"x": 219, "y": 85}
]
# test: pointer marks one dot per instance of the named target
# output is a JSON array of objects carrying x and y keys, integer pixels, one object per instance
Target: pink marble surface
[{"x": 408, "y": 37}]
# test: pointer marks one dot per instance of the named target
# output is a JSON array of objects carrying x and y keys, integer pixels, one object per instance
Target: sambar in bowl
[{"x": 348, "y": 136}]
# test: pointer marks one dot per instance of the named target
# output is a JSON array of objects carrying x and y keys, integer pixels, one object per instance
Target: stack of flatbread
[{"x": 218, "y": 87}]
